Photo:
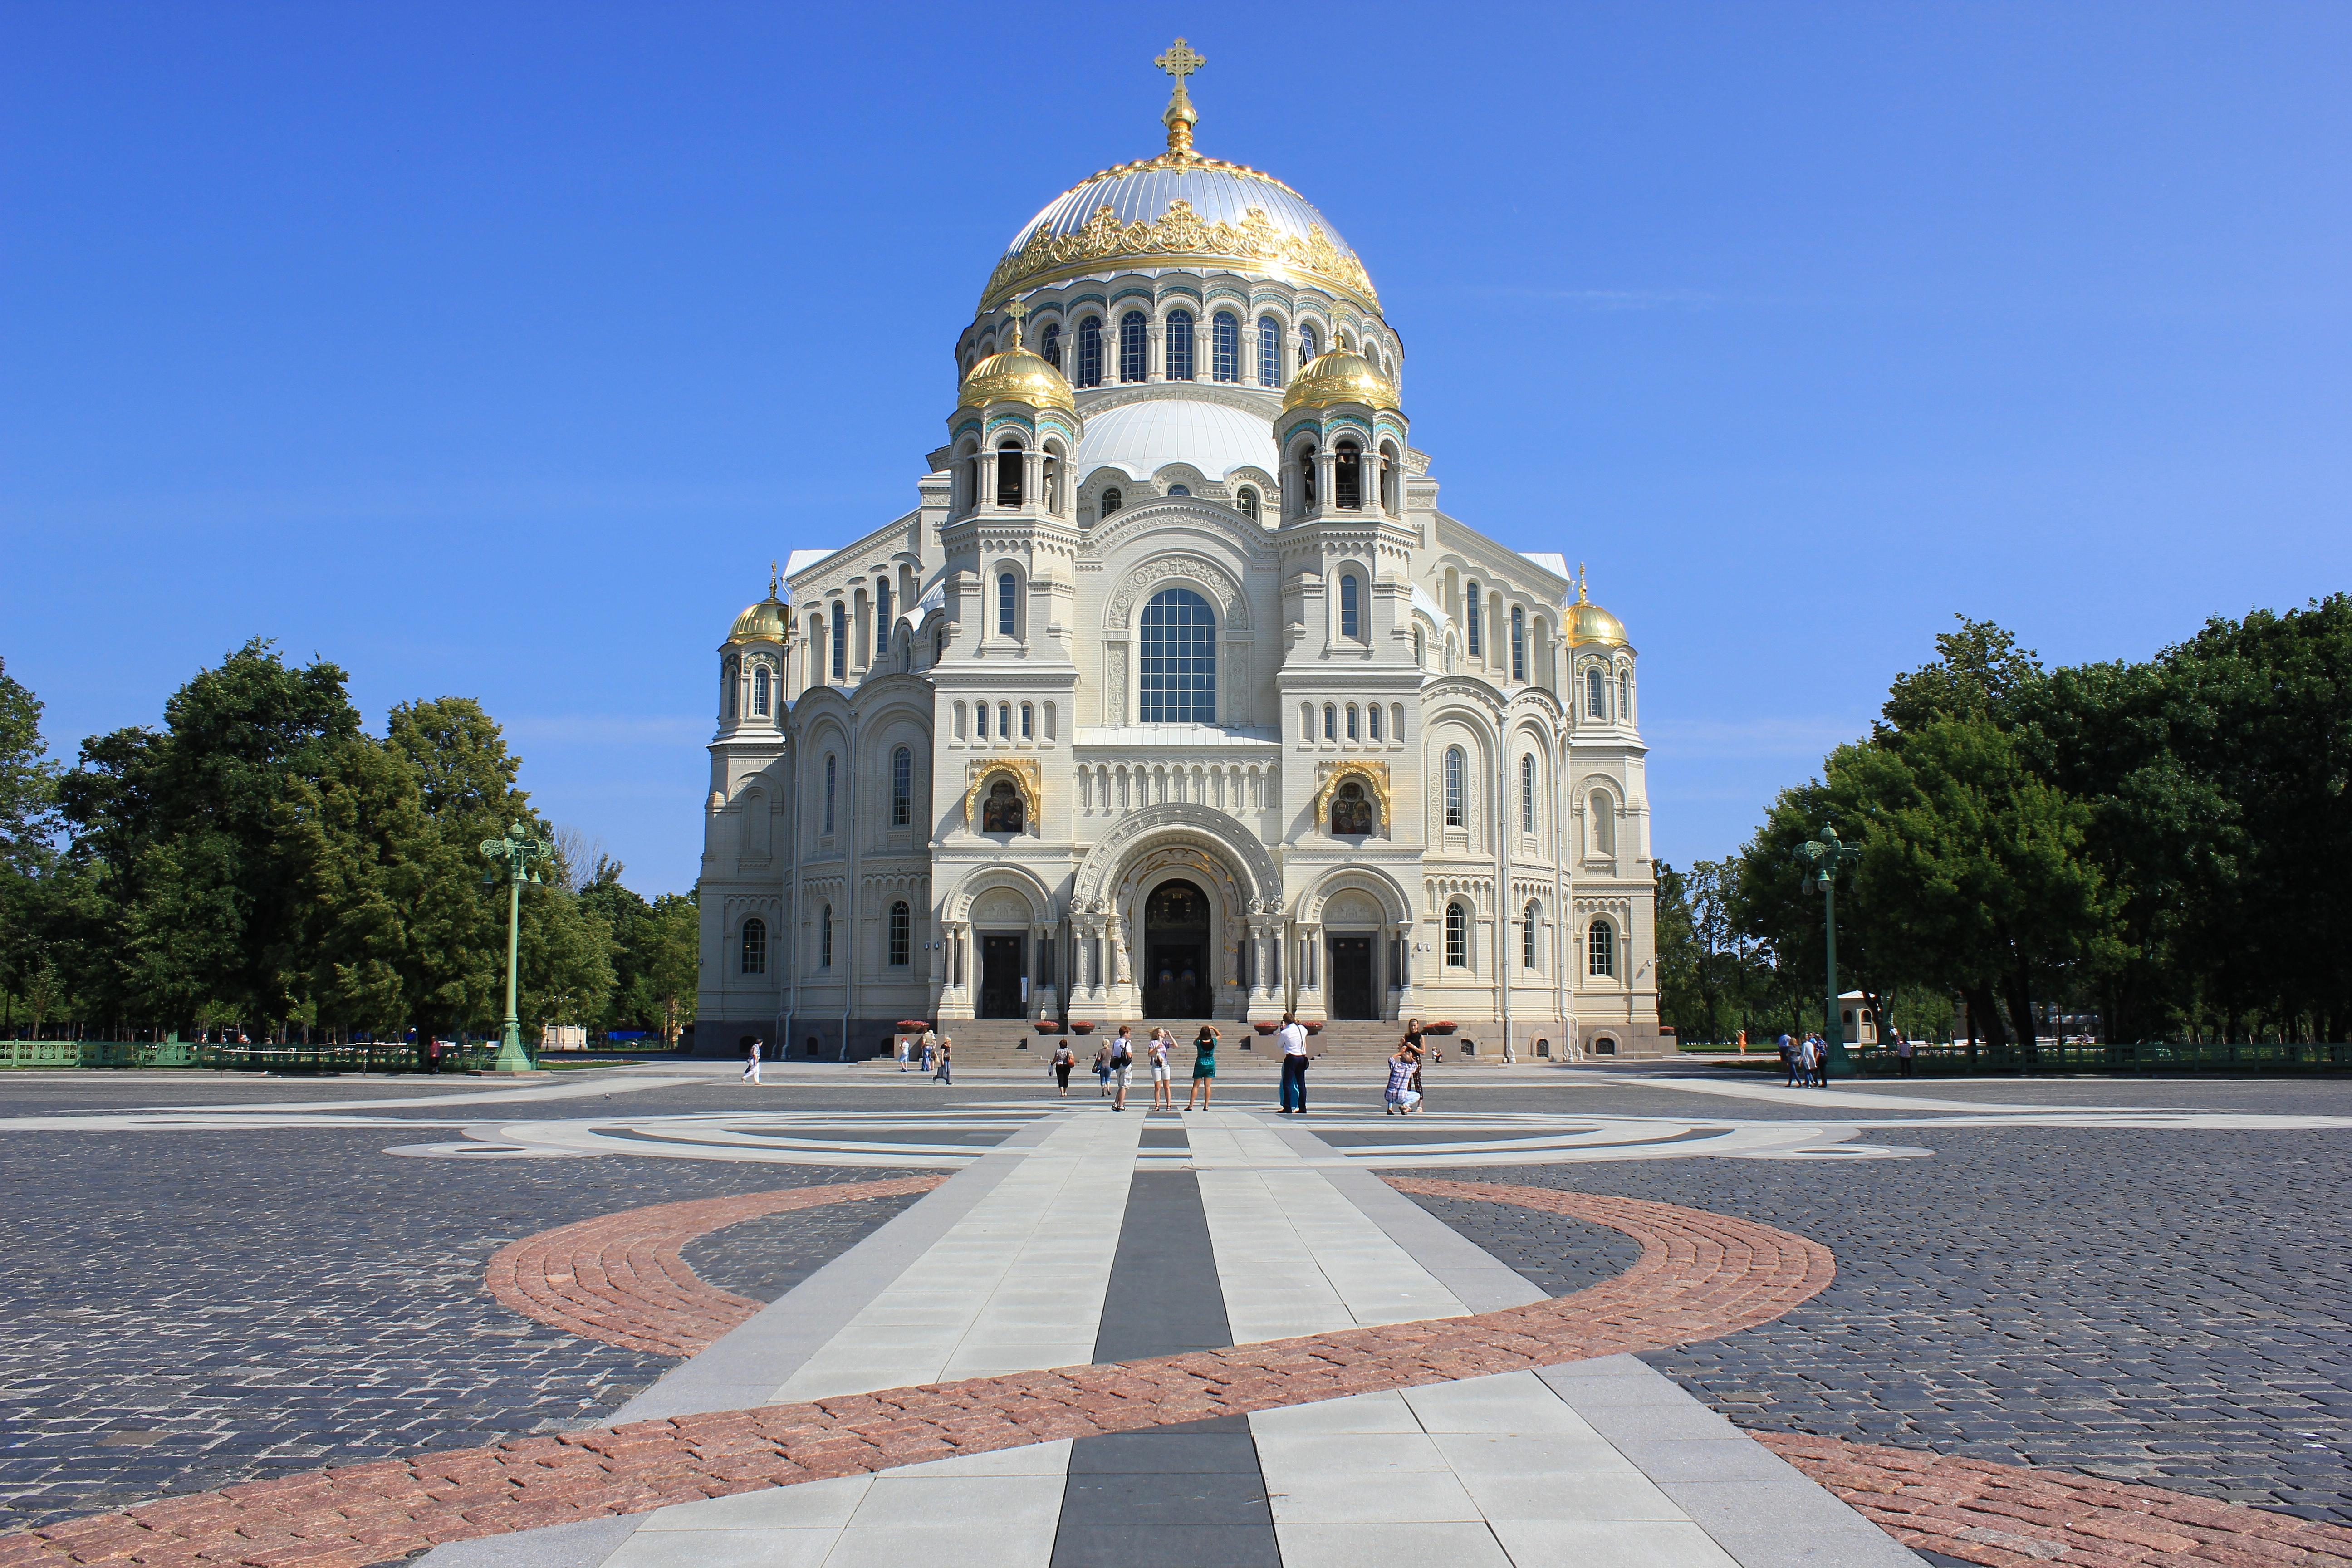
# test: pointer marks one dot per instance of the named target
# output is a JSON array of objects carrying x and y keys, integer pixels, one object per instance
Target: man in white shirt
[{"x": 1293, "y": 1036}]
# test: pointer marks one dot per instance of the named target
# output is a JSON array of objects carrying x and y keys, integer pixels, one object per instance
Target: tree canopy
[
  {"x": 262, "y": 860},
  {"x": 2167, "y": 843}
]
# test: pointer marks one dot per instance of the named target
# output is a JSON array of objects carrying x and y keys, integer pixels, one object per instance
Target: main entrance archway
[{"x": 1178, "y": 979}]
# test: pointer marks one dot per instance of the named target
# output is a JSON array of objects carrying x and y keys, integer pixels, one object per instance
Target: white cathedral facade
[{"x": 1176, "y": 696}]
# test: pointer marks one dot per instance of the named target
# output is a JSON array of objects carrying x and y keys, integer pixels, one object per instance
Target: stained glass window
[{"x": 1178, "y": 662}]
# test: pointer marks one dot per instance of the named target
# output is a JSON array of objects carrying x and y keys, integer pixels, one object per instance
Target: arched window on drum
[
  {"x": 1225, "y": 347},
  {"x": 1269, "y": 352},
  {"x": 1090, "y": 351},
  {"x": 1310, "y": 343},
  {"x": 1179, "y": 348},
  {"x": 1178, "y": 661},
  {"x": 1134, "y": 358}
]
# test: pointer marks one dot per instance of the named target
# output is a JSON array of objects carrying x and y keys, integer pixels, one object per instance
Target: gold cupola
[
  {"x": 767, "y": 621},
  {"x": 1014, "y": 374},
  {"x": 1589, "y": 625},
  {"x": 1339, "y": 376}
]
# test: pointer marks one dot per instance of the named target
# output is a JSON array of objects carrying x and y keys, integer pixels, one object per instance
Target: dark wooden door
[
  {"x": 1000, "y": 976},
  {"x": 1351, "y": 990}
]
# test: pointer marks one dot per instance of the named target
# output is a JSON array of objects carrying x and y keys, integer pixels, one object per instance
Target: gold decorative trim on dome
[{"x": 1179, "y": 236}]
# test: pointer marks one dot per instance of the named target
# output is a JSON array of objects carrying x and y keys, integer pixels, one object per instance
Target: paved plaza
[{"x": 637, "y": 1316}]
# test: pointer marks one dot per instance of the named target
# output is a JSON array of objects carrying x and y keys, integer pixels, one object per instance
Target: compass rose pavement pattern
[{"x": 1659, "y": 1316}]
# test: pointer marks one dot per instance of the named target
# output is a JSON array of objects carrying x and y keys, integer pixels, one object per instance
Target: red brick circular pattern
[
  {"x": 1700, "y": 1275},
  {"x": 2011, "y": 1516},
  {"x": 622, "y": 1278}
]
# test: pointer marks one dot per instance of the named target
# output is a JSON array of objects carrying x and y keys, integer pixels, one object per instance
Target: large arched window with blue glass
[
  {"x": 1179, "y": 664},
  {"x": 1225, "y": 352},
  {"x": 1269, "y": 352}
]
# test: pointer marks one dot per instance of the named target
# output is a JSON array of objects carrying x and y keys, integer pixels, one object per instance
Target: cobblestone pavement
[
  {"x": 2164, "y": 1308},
  {"x": 191, "y": 1309}
]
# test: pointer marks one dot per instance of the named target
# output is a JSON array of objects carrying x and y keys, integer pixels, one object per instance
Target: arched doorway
[{"x": 1177, "y": 979}]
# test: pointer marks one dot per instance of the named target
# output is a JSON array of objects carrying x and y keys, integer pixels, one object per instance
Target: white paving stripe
[{"x": 1015, "y": 1286}]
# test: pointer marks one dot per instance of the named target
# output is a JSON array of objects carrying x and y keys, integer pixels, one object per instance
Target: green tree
[{"x": 180, "y": 829}]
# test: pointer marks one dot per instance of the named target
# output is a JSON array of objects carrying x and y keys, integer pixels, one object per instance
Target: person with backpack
[{"x": 1122, "y": 1065}]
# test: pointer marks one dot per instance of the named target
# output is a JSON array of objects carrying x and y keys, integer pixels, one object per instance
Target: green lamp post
[
  {"x": 1824, "y": 855},
  {"x": 512, "y": 861}
]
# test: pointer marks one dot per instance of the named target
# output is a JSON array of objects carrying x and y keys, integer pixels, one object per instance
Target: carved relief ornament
[
  {"x": 1181, "y": 232},
  {"x": 1144, "y": 580}
]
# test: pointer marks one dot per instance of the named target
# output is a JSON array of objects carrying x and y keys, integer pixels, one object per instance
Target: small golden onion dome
[
  {"x": 1339, "y": 376},
  {"x": 1589, "y": 624},
  {"x": 765, "y": 622},
  {"x": 1014, "y": 374}
]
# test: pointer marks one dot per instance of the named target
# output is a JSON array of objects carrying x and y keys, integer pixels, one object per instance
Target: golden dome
[
  {"x": 1015, "y": 375},
  {"x": 1589, "y": 624},
  {"x": 1339, "y": 376},
  {"x": 767, "y": 621}
]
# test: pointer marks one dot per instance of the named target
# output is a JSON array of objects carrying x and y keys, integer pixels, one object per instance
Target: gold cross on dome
[
  {"x": 1019, "y": 312},
  {"x": 774, "y": 580},
  {"x": 1180, "y": 62}
]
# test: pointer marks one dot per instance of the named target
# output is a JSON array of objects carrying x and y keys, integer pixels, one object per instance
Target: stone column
[
  {"x": 1033, "y": 479},
  {"x": 1326, "y": 469},
  {"x": 1155, "y": 350}
]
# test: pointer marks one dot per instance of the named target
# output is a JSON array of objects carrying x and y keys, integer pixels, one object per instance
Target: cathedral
[{"x": 1176, "y": 696}]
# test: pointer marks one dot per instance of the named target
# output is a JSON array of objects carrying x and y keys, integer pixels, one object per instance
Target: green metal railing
[{"x": 386, "y": 1057}]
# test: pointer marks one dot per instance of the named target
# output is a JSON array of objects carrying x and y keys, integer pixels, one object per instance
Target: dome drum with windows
[{"x": 1174, "y": 694}]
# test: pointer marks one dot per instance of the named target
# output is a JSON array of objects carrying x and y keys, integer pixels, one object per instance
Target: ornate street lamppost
[
  {"x": 1825, "y": 855},
  {"x": 512, "y": 861}
]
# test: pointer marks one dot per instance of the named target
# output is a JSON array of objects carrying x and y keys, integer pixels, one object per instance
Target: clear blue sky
[{"x": 495, "y": 348}]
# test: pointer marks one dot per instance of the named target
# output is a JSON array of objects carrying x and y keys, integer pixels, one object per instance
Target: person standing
[
  {"x": 1164, "y": 1092},
  {"x": 1294, "y": 1061},
  {"x": 1064, "y": 1060},
  {"x": 1122, "y": 1067},
  {"x": 752, "y": 1062},
  {"x": 1788, "y": 1059},
  {"x": 1204, "y": 1067},
  {"x": 1903, "y": 1051},
  {"x": 1102, "y": 1068},
  {"x": 947, "y": 1070},
  {"x": 929, "y": 1042},
  {"x": 903, "y": 1047}
]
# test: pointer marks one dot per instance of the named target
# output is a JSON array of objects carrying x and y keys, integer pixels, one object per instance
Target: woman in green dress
[{"x": 1204, "y": 1068}]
